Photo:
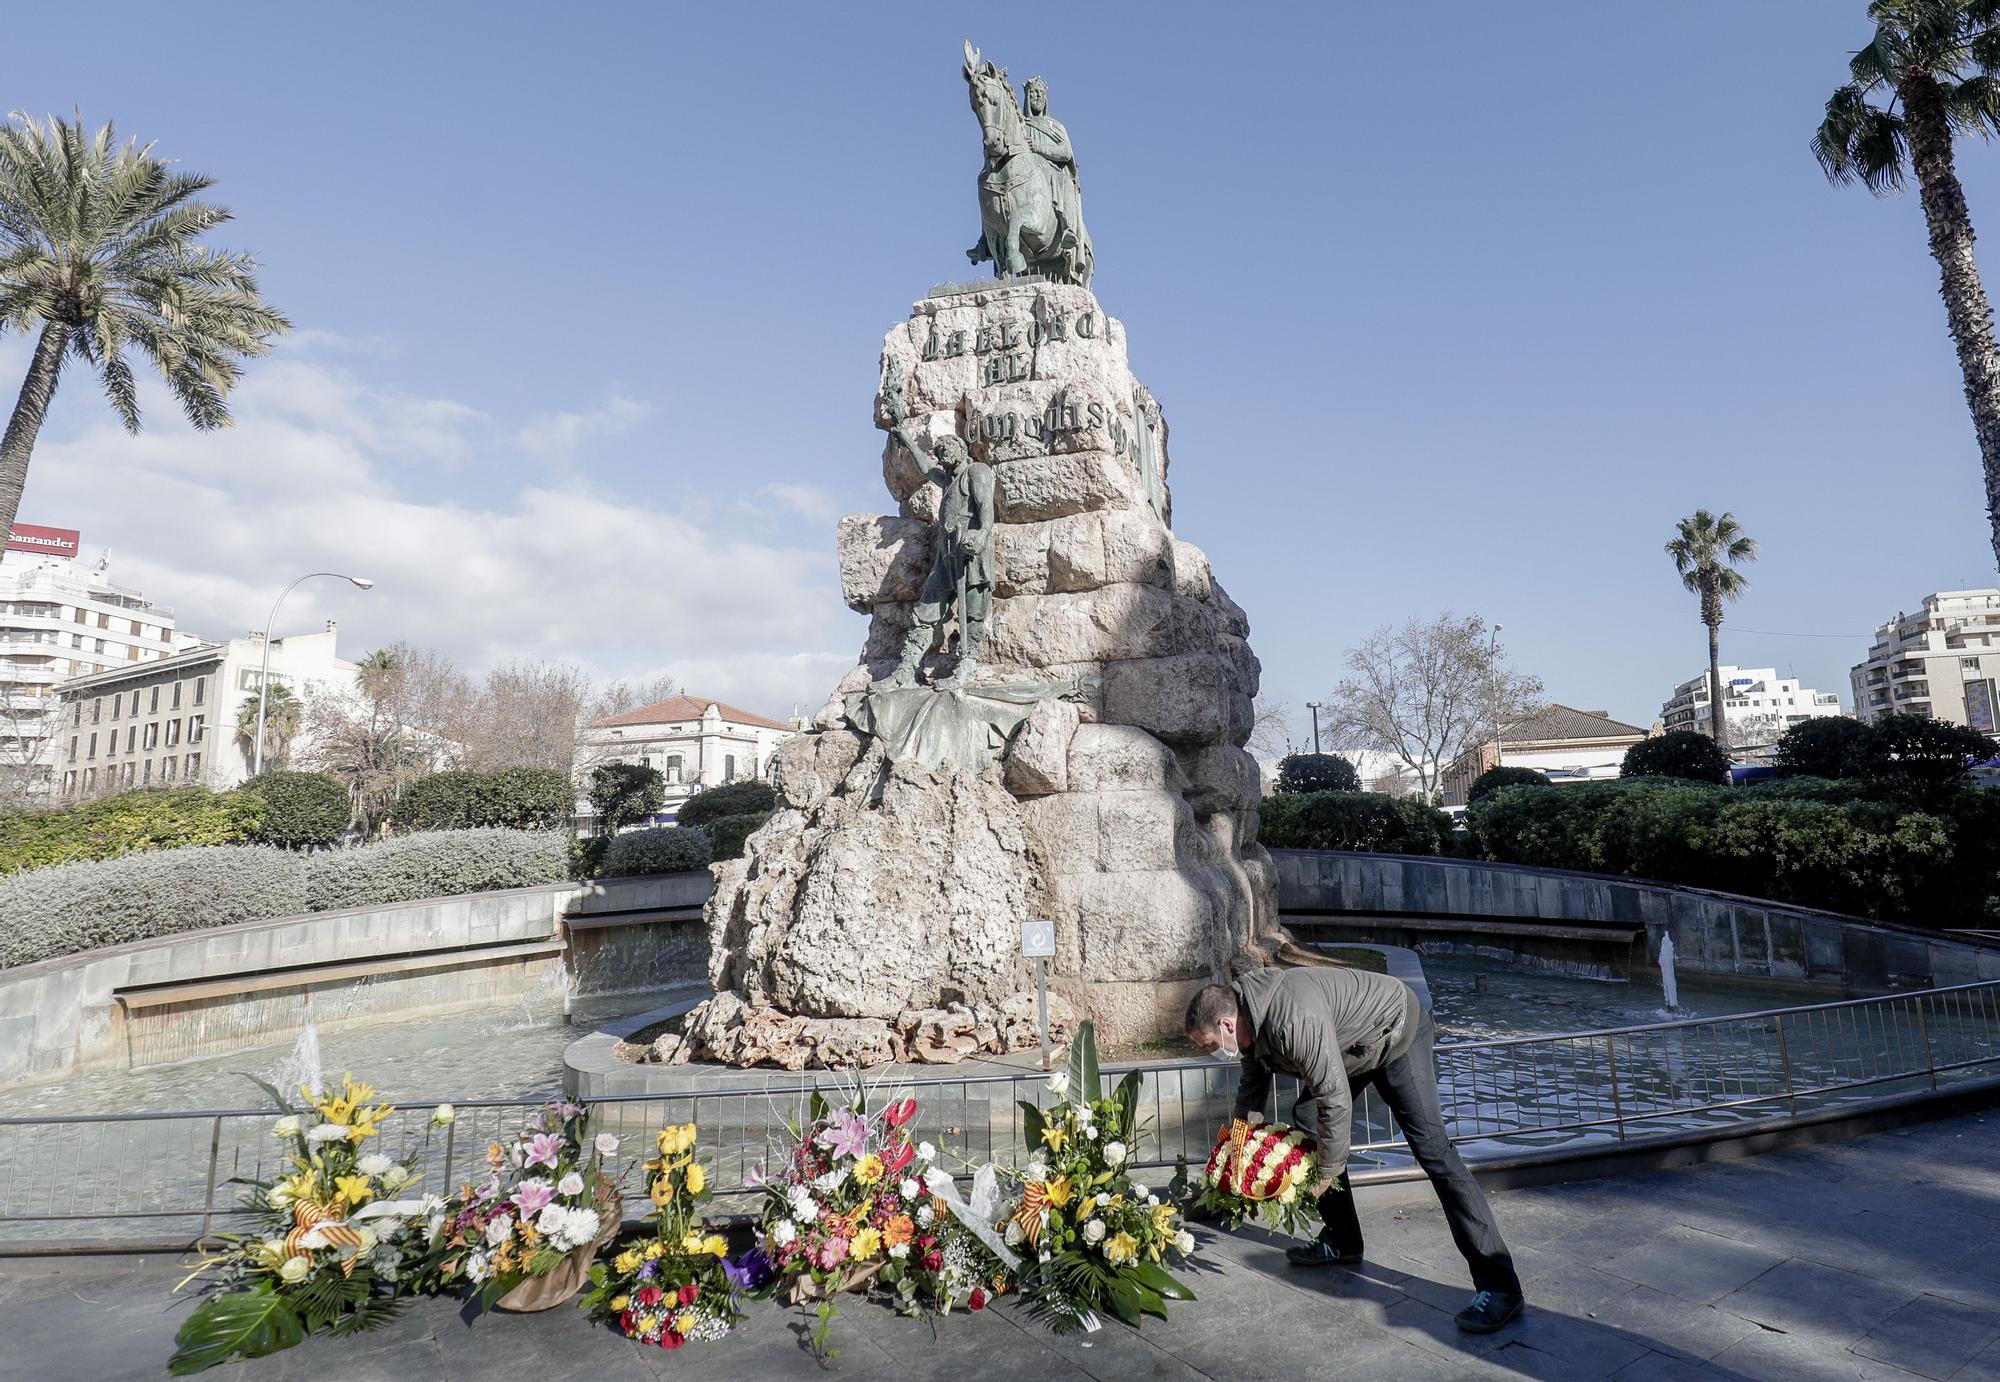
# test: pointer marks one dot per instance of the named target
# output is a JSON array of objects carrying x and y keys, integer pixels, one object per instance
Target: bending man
[{"x": 1335, "y": 1029}]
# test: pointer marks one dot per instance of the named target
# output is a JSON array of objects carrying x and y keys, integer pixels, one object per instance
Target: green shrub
[
  {"x": 726, "y": 834},
  {"x": 508, "y": 798},
  {"x": 623, "y": 794},
  {"x": 1681, "y": 753},
  {"x": 301, "y": 810},
  {"x": 1493, "y": 779},
  {"x": 1316, "y": 772},
  {"x": 731, "y": 799},
  {"x": 1829, "y": 746},
  {"x": 670, "y": 849},
  {"x": 586, "y": 857},
  {"x": 439, "y": 863},
  {"x": 80, "y": 906},
  {"x": 130, "y": 823},
  {"x": 1367, "y": 821},
  {"x": 1833, "y": 845},
  {"x": 1931, "y": 752}
]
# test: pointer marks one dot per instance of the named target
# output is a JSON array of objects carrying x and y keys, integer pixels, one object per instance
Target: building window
[
  {"x": 90, "y": 779},
  {"x": 167, "y": 766},
  {"x": 132, "y": 655},
  {"x": 194, "y": 766},
  {"x": 149, "y": 771},
  {"x": 173, "y": 733},
  {"x": 195, "y": 723},
  {"x": 152, "y": 737},
  {"x": 92, "y": 751},
  {"x": 76, "y": 713},
  {"x": 96, "y": 710},
  {"x": 153, "y": 704},
  {"x": 133, "y": 730},
  {"x": 175, "y": 703},
  {"x": 117, "y": 704},
  {"x": 673, "y": 767},
  {"x": 72, "y": 748},
  {"x": 128, "y": 773},
  {"x": 200, "y": 686},
  {"x": 69, "y": 783},
  {"x": 728, "y": 767},
  {"x": 138, "y": 629},
  {"x": 103, "y": 621}
]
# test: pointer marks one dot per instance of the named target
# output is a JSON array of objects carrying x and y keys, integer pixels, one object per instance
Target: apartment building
[
  {"x": 1758, "y": 705},
  {"x": 695, "y": 743},
  {"x": 175, "y": 722},
  {"x": 1941, "y": 661},
  {"x": 60, "y": 618}
]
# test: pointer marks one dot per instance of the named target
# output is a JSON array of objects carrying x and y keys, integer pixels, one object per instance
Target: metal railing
[{"x": 154, "y": 1179}]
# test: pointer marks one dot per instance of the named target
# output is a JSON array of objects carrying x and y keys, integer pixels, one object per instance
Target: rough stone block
[
  {"x": 1221, "y": 777},
  {"x": 1136, "y": 547},
  {"x": 1108, "y": 625},
  {"x": 1037, "y": 761},
  {"x": 1140, "y": 830},
  {"x": 1065, "y": 825},
  {"x": 1114, "y": 757},
  {"x": 1042, "y": 487},
  {"x": 882, "y": 558},
  {"x": 1192, "y": 574},
  {"x": 1182, "y": 699}
]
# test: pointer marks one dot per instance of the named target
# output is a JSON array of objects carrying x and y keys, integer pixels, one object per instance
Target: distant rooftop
[
  {"x": 1560, "y": 723},
  {"x": 675, "y": 709}
]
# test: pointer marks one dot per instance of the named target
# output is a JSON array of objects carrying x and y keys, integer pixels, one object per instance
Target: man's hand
[{"x": 1319, "y": 1187}]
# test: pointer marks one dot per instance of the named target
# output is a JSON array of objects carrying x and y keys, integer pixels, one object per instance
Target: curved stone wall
[{"x": 1408, "y": 898}]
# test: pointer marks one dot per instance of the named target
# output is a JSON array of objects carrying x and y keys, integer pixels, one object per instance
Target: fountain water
[
  {"x": 1669, "y": 982},
  {"x": 302, "y": 1068}
]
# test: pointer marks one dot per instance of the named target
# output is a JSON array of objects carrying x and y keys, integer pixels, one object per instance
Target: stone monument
[{"x": 1048, "y": 716}]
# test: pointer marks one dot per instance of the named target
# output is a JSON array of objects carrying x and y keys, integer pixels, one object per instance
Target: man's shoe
[
  {"x": 1320, "y": 1253},
  {"x": 1490, "y": 1310}
]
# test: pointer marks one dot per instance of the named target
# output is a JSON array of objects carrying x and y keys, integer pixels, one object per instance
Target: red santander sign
[{"x": 49, "y": 542}]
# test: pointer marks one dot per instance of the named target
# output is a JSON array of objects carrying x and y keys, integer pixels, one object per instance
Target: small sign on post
[{"x": 1038, "y": 943}]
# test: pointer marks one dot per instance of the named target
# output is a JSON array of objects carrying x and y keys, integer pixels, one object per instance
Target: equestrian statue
[{"x": 1030, "y": 200}]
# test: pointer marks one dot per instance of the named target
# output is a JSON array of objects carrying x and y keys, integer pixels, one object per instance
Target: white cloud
[
  {"x": 807, "y": 501},
  {"x": 556, "y": 437},
  {"x": 316, "y": 475}
]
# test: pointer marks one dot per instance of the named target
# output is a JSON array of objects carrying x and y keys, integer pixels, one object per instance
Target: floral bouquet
[
  {"x": 335, "y": 1248},
  {"x": 525, "y": 1235},
  {"x": 678, "y": 1285},
  {"x": 1258, "y": 1170},
  {"x": 1094, "y": 1243},
  {"x": 858, "y": 1206}
]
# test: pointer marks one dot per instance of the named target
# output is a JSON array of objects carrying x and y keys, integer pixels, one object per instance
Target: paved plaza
[{"x": 1876, "y": 1258}]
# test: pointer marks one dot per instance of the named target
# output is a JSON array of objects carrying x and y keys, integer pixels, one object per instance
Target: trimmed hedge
[
  {"x": 507, "y": 798},
  {"x": 1815, "y": 843},
  {"x": 1679, "y": 753},
  {"x": 727, "y": 833},
  {"x": 1316, "y": 772},
  {"x": 730, "y": 799},
  {"x": 623, "y": 794},
  {"x": 1493, "y": 779},
  {"x": 1367, "y": 821},
  {"x": 669, "y": 849},
  {"x": 439, "y": 863},
  {"x": 73, "y": 907},
  {"x": 129, "y": 823},
  {"x": 301, "y": 810}
]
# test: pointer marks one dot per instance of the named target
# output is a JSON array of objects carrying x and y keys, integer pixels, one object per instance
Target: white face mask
[{"x": 1227, "y": 1047}]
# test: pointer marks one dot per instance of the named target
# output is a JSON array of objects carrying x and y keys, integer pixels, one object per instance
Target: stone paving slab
[{"x": 1710, "y": 1272}]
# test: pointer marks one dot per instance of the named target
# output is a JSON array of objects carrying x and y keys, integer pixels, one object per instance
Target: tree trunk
[
  {"x": 29, "y": 410},
  {"x": 1718, "y": 724},
  {"x": 1966, "y": 309}
]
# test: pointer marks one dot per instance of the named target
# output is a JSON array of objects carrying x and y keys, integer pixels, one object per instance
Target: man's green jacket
[{"x": 1326, "y": 1026}]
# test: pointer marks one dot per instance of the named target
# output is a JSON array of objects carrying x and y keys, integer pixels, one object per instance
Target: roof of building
[
  {"x": 677, "y": 708},
  {"x": 1558, "y": 723}
]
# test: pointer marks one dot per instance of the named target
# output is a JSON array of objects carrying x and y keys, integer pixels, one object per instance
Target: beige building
[
  {"x": 60, "y": 618},
  {"x": 174, "y": 722},
  {"x": 1562, "y": 743},
  {"x": 695, "y": 743},
  {"x": 1941, "y": 661}
]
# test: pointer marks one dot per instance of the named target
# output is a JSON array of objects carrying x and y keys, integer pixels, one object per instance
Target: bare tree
[
  {"x": 1426, "y": 692},
  {"x": 389, "y": 730},
  {"x": 1270, "y": 728}
]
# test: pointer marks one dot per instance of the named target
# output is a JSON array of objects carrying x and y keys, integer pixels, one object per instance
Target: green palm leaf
[
  {"x": 1083, "y": 1085},
  {"x": 235, "y": 1324}
]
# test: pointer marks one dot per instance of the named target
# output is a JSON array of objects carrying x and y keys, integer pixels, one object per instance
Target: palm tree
[
  {"x": 1706, "y": 554},
  {"x": 98, "y": 254},
  {"x": 283, "y": 714},
  {"x": 1932, "y": 67}
]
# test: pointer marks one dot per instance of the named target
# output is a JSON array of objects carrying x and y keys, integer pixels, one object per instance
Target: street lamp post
[
  {"x": 264, "y": 676},
  {"x": 1315, "y": 707}
]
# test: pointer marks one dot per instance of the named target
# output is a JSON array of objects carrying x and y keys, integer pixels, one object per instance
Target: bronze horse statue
[{"x": 1030, "y": 210}]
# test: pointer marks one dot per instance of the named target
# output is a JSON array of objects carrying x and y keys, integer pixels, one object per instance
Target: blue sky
[{"x": 1449, "y": 307}]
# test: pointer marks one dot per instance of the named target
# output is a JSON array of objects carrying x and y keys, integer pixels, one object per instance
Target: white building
[
  {"x": 1758, "y": 705},
  {"x": 60, "y": 618},
  {"x": 175, "y": 721},
  {"x": 695, "y": 743},
  {"x": 1941, "y": 661}
]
